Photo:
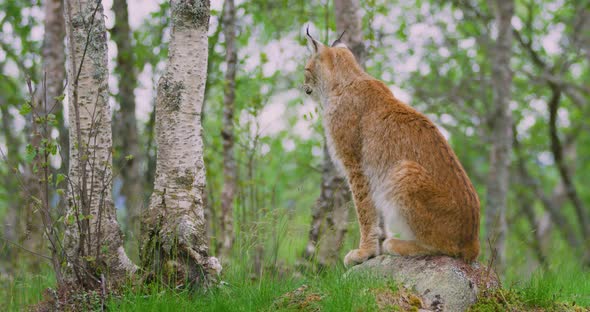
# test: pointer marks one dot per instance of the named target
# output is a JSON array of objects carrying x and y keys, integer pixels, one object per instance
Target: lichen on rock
[{"x": 446, "y": 284}]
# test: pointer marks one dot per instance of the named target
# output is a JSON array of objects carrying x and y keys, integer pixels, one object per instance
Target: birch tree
[
  {"x": 501, "y": 132},
  {"x": 130, "y": 158},
  {"x": 93, "y": 240},
  {"x": 173, "y": 232}
]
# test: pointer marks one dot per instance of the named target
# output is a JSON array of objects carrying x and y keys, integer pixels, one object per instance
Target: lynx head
[{"x": 328, "y": 66}]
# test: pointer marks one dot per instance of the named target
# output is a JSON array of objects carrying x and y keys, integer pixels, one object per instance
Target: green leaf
[
  {"x": 60, "y": 97},
  {"x": 89, "y": 258},
  {"x": 60, "y": 178},
  {"x": 25, "y": 109},
  {"x": 70, "y": 219},
  {"x": 52, "y": 120},
  {"x": 30, "y": 153},
  {"x": 52, "y": 147}
]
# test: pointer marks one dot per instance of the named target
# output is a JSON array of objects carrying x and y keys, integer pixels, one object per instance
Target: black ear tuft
[
  {"x": 339, "y": 40},
  {"x": 315, "y": 45}
]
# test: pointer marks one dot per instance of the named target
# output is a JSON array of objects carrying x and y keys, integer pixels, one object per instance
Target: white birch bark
[
  {"x": 174, "y": 232},
  {"x": 93, "y": 242}
]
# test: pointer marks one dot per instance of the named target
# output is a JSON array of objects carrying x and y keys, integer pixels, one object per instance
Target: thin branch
[
  {"x": 554, "y": 211},
  {"x": 25, "y": 249},
  {"x": 557, "y": 150}
]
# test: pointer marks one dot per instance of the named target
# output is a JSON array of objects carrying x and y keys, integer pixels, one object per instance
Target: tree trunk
[
  {"x": 54, "y": 71},
  {"x": 332, "y": 203},
  {"x": 53, "y": 53},
  {"x": 227, "y": 133},
  {"x": 50, "y": 88},
  {"x": 126, "y": 123},
  {"x": 11, "y": 227},
  {"x": 349, "y": 22},
  {"x": 175, "y": 246},
  {"x": 501, "y": 134},
  {"x": 333, "y": 200},
  {"x": 93, "y": 240}
]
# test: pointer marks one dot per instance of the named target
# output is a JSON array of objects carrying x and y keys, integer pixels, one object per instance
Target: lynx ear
[
  {"x": 338, "y": 43},
  {"x": 316, "y": 45}
]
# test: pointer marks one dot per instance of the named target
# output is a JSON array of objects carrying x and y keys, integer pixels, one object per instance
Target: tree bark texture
[
  {"x": 329, "y": 221},
  {"x": 501, "y": 133},
  {"x": 93, "y": 240},
  {"x": 227, "y": 133},
  {"x": 334, "y": 201},
  {"x": 173, "y": 233},
  {"x": 126, "y": 133}
]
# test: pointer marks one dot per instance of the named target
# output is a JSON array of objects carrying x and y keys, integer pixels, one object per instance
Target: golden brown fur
[{"x": 396, "y": 161}]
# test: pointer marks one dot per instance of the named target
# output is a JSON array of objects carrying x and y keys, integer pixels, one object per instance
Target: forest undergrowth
[{"x": 562, "y": 287}]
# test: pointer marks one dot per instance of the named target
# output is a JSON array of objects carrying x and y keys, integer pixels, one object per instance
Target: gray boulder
[{"x": 444, "y": 283}]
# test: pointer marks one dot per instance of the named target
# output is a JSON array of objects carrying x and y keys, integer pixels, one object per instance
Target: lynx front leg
[{"x": 368, "y": 220}]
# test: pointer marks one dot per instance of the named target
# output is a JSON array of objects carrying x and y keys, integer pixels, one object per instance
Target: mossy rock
[{"x": 446, "y": 284}]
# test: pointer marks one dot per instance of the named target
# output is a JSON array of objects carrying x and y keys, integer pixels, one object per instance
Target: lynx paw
[
  {"x": 387, "y": 247},
  {"x": 358, "y": 256}
]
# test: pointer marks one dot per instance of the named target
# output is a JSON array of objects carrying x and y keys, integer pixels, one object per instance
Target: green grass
[
  {"x": 24, "y": 291},
  {"x": 553, "y": 290},
  {"x": 329, "y": 291},
  {"x": 565, "y": 284},
  {"x": 274, "y": 289}
]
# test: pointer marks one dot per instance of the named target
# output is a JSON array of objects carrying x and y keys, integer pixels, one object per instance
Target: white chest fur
[{"x": 396, "y": 225}]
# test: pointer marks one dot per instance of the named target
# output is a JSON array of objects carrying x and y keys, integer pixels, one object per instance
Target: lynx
[{"x": 398, "y": 165}]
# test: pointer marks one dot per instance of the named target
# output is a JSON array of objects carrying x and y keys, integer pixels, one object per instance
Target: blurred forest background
[{"x": 268, "y": 201}]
